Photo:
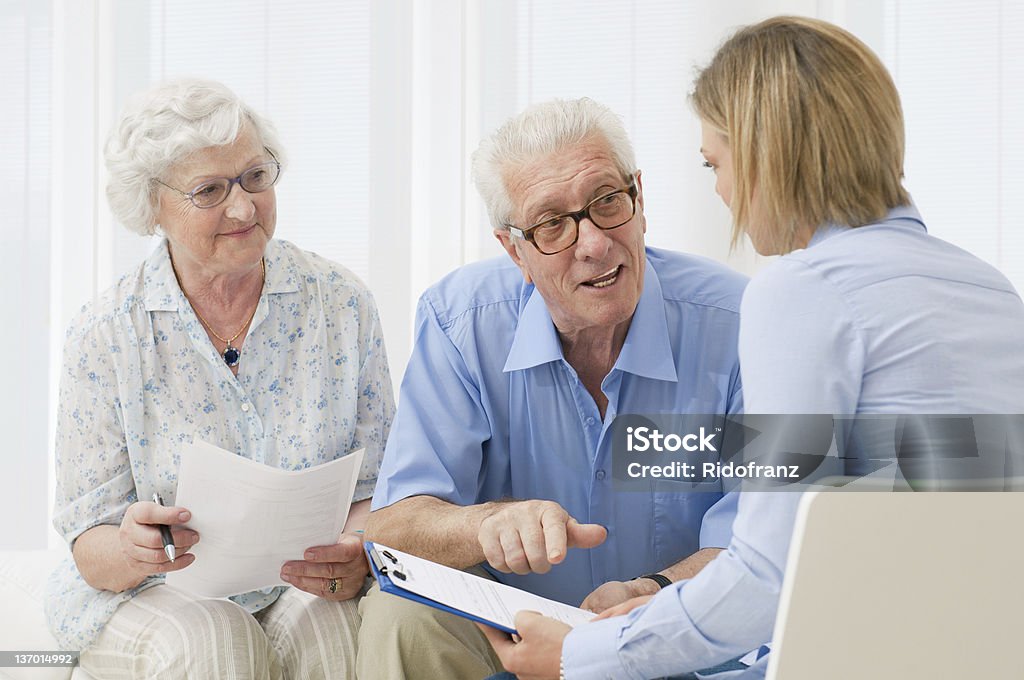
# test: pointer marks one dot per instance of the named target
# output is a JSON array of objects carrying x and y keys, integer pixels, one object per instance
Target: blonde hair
[
  {"x": 538, "y": 131},
  {"x": 814, "y": 123},
  {"x": 162, "y": 126}
]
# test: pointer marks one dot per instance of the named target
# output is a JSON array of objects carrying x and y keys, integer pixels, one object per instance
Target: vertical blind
[
  {"x": 959, "y": 67},
  {"x": 25, "y": 276}
]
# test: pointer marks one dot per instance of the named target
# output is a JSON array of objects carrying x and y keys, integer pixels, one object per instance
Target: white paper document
[
  {"x": 489, "y": 600},
  {"x": 252, "y": 518}
]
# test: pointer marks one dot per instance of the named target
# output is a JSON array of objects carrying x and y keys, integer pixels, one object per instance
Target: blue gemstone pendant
[{"x": 231, "y": 355}]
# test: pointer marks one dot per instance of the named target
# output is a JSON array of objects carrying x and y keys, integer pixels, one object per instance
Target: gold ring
[{"x": 332, "y": 585}]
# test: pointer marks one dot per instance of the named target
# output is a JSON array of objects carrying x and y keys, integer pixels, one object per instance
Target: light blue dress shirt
[
  {"x": 141, "y": 379},
  {"x": 489, "y": 409},
  {"x": 879, "y": 319}
]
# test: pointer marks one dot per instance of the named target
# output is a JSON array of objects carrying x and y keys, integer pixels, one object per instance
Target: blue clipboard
[{"x": 388, "y": 572}]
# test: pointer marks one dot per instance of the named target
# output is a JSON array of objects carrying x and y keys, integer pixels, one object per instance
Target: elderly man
[{"x": 500, "y": 453}]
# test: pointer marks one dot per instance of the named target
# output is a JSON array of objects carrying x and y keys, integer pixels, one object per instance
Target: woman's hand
[
  {"x": 537, "y": 654},
  {"x": 141, "y": 544},
  {"x": 342, "y": 565}
]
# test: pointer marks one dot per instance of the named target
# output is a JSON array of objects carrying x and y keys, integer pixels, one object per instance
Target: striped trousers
[{"x": 163, "y": 633}]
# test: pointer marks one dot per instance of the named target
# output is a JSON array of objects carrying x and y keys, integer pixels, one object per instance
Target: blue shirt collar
[
  {"x": 646, "y": 352},
  {"x": 901, "y": 216},
  {"x": 536, "y": 340}
]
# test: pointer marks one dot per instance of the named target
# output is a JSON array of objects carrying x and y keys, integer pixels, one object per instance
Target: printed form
[
  {"x": 252, "y": 518},
  {"x": 489, "y": 600}
]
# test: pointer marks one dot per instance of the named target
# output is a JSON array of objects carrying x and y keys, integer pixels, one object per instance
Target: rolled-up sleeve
[
  {"x": 376, "y": 401},
  {"x": 436, "y": 443},
  {"x": 94, "y": 483}
]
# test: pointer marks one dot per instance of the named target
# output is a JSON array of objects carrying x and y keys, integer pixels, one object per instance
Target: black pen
[{"x": 165, "y": 531}]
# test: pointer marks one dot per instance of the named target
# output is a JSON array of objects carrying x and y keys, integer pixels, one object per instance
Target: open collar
[
  {"x": 646, "y": 351},
  {"x": 162, "y": 292}
]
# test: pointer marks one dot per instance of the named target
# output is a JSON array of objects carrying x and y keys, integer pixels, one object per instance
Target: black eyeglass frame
[
  {"x": 577, "y": 217},
  {"x": 232, "y": 181}
]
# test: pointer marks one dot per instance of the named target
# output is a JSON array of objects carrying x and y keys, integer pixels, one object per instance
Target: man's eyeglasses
[
  {"x": 212, "y": 193},
  {"x": 555, "y": 234}
]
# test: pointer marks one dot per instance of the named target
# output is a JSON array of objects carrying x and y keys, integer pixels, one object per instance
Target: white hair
[
  {"x": 164, "y": 125},
  {"x": 538, "y": 131}
]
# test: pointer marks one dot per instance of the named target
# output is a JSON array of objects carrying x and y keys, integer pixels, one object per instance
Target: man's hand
[
  {"x": 538, "y": 653},
  {"x": 343, "y": 563},
  {"x": 624, "y": 608},
  {"x": 530, "y": 536},
  {"x": 616, "y": 592}
]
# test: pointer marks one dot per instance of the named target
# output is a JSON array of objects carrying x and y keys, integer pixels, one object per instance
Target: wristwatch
[{"x": 662, "y": 580}]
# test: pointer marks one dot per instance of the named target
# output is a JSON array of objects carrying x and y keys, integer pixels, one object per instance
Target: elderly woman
[
  {"x": 864, "y": 312},
  {"x": 227, "y": 335}
]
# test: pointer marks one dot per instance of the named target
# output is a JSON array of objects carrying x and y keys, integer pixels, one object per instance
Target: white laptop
[{"x": 904, "y": 586}]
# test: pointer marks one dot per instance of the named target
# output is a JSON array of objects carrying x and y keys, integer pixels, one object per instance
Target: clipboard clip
[{"x": 394, "y": 570}]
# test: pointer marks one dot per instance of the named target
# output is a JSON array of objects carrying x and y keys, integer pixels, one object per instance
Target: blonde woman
[{"x": 865, "y": 312}]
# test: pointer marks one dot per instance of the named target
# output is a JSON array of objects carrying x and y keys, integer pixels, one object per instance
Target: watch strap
[{"x": 662, "y": 580}]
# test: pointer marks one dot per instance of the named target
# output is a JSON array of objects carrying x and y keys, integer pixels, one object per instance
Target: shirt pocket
[{"x": 679, "y": 508}]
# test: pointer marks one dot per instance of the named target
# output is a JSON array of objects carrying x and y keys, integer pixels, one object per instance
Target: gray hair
[
  {"x": 164, "y": 125},
  {"x": 539, "y": 131}
]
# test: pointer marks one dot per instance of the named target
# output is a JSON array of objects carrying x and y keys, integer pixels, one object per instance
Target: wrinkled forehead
[{"x": 563, "y": 180}]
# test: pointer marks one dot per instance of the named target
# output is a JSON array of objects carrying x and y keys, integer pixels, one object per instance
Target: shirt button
[
  {"x": 590, "y": 421},
  {"x": 245, "y": 407},
  {"x": 599, "y": 474}
]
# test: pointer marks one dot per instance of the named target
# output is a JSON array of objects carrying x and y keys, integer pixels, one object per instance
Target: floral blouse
[{"x": 141, "y": 378}]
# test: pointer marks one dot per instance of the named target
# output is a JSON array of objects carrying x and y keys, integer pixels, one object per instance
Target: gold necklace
[{"x": 230, "y": 354}]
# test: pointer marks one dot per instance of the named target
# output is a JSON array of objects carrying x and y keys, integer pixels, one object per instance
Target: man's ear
[
  {"x": 640, "y": 200},
  {"x": 511, "y": 246}
]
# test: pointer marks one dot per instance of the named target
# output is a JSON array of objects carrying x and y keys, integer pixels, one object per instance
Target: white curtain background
[{"x": 380, "y": 103}]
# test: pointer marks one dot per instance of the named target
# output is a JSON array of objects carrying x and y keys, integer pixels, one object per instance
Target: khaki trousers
[{"x": 404, "y": 640}]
